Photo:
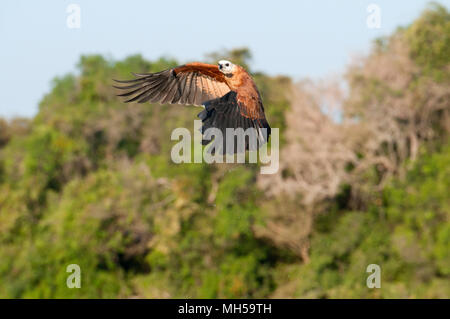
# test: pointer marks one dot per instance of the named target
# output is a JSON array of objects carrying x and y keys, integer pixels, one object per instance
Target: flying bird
[{"x": 226, "y": 91}]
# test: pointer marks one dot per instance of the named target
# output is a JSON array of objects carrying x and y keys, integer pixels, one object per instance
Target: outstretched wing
[{"x": 193, "y": 83}]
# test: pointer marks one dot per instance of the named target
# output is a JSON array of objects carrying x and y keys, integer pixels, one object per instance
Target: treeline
[{"x": 364, "y": 179}]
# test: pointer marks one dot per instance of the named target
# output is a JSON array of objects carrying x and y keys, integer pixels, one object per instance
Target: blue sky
[{"x": 296, "y": 38}]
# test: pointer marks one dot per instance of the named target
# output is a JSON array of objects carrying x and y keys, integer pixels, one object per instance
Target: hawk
[{"x": 227, "y": 92}]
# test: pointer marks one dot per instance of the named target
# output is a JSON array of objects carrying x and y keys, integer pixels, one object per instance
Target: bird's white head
[{"x": 226, "y": 67}]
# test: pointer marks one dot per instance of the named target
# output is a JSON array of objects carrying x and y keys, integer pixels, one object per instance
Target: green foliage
[
  {"x": 407, "y": 234},
  {"x": 429, "y": 40},
  {"x": 214, "y": 254},
  {"x": 92, "y": 183},
  {"x": 420, "y": 207}
]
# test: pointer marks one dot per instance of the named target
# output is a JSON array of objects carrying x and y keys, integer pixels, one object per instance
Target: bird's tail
[{"x": 238, "y": 133}]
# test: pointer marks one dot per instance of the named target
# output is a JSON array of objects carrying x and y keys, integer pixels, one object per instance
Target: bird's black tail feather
[{"x": 243, "y": 133}]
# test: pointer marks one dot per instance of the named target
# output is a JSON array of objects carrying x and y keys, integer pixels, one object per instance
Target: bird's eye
[{"x": 227, "y": 64}]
